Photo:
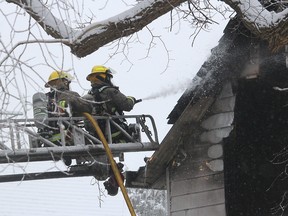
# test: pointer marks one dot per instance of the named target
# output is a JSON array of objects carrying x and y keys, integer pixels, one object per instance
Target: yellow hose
[{"x": 112, "y": 161}]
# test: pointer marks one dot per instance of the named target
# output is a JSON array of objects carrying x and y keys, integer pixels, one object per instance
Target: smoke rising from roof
[{"x": 169, "y": 90}]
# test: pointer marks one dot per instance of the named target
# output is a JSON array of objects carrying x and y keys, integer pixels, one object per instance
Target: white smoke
[{"x": 169, "y": 90}]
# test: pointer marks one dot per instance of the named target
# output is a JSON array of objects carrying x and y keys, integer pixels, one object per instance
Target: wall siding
[
  {"x": 215, "y": 210},
  {"x": 195, "y": 188},
  {"x": 197, "y": 185},
  {"x": 197, "y": 200}
]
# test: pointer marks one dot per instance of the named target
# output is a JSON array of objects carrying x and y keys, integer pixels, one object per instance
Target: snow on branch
[
  {"x": 99, "y": 34},
  {"x": 89, "y": 39},
  {"x": 266, "y": 24}
]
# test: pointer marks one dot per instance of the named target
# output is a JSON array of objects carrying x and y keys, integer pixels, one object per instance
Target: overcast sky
[{"x": 139, "y": 76}]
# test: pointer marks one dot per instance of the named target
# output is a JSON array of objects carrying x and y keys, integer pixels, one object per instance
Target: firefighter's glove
[
  {"x": 112, "y": 186},
  {"x": 133, "y": 99}
]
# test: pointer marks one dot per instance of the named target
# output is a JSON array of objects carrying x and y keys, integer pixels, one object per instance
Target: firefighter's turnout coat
[
  {"x": 63, "y": 103},
  {"x": 108, "y": 100}
]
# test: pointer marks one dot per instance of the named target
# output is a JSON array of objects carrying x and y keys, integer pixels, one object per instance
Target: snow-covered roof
[{"x": 219, "y": 66}]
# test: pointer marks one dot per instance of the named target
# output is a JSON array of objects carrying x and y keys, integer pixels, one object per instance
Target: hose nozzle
[{"x": 138, "y": 100}]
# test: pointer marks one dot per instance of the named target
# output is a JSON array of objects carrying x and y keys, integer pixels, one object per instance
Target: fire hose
[{"x": 112, "y": 162}]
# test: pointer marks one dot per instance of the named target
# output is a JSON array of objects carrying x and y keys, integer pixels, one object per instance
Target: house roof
[
  {"x": 213, "y": 70},
  {"x": 225, "y": 61}
]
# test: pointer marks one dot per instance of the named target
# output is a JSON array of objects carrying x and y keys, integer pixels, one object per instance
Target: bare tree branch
[{"x": 42, "y": 15}]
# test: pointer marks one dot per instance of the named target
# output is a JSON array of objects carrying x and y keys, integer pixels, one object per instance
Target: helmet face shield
[
  {"x": 94, "y": 78},
  {"x": 101, "y": 73}
]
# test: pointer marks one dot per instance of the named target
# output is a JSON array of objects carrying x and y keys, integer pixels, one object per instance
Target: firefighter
[
  {"x": 61, "y": 100},
  {"x": 110, "y": 101},
  {"x": 62, "y": 103}
]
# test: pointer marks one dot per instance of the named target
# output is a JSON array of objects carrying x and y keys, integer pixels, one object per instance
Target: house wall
[
  {"x": 255, "y": 153},
  {"x": 196, "y": 179}
]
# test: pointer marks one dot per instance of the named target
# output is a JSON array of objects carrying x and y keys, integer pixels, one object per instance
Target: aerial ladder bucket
[{"x": 20, "y": 142}]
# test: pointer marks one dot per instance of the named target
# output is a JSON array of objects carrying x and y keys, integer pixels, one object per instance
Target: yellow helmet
[
  {"x": 58, "y": 75},
  {"x": 101, "y": 71}
]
